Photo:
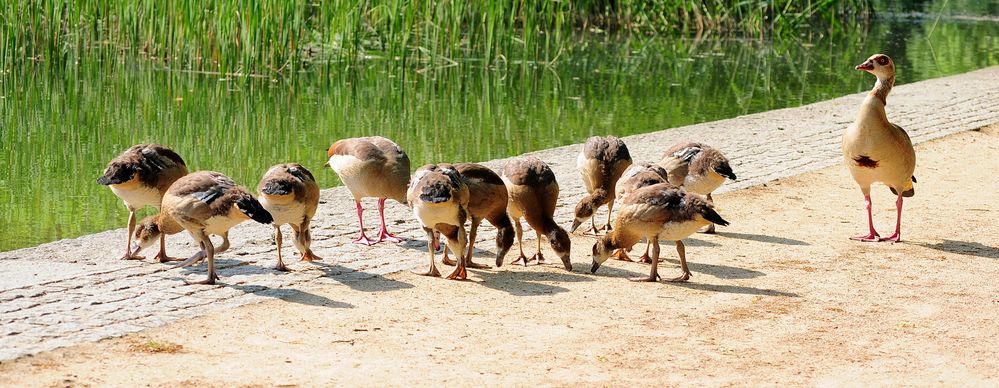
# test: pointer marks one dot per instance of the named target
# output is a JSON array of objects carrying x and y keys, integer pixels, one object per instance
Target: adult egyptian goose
[
  {"x": 533, "y": 194},
  {"x": 290, "y": 193},
  {"x": 140, "y": 176},
  {"x": 439, "y": 199},
  {"x": 637, "y": 176},
  {"x": 698, "y": 168},
  {"x": 207, "y": 202},
  {"x": 488, "y": 200},
  {"x": 657, "y": 212},
  {"x": 876, "y": 150},
  {"x": 371, "y": 167},
  {"x": 601, "y": 163}
]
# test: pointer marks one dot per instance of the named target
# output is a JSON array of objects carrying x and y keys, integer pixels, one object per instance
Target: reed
[{"x": 283, "y": 37}]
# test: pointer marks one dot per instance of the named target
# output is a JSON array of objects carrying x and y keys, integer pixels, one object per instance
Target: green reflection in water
[{"x": 61, "y": 126}]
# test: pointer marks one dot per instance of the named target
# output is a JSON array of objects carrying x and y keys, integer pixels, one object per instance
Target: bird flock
[{"x": 667, "y": 200}]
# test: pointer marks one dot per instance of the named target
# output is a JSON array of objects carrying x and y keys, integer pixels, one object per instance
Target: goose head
[
  {"x": 146, "y": 233},
  {"x": 601, "y": 250},
  {"x": 880, "y": 65}
]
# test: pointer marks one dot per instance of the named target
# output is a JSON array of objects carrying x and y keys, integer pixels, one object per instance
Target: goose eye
[{"x": 882, "y": 61}]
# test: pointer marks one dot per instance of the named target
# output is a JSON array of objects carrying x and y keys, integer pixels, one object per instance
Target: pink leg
[
  {"x": 363, "y": 239},
  {"x": 873, "y": 235},
  {"x": 383, "y": 234},
  {"x": 898, "y": 222}
]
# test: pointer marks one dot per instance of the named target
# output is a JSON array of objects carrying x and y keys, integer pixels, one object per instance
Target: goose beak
[
  {"x": 566, "y": 262},
  {"x": 866, "y": 66},
  {"x": 499, "y": 257},
  {"x": 595, "y": 267},
  {"x": 575, "y": 225}
]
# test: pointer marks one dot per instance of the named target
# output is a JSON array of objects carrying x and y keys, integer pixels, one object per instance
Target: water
[{"x": 60, "y": 126}]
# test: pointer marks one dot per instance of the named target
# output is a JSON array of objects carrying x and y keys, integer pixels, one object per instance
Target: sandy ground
[{"x": 781, "y": 296}]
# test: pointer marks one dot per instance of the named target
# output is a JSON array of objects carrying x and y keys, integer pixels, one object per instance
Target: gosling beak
[
  {"x": 567, "y": 263},
  {"x": 866, "y": 66},
  {"x": 136, "y": 248},
  {"x": 500, "y": 255},
  {"x": 595, "y": 266},
  {"x": 575, "y": 225}
]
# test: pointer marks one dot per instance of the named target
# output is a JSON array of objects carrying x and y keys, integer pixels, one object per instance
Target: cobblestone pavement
[{"x": 73, "y": 291}]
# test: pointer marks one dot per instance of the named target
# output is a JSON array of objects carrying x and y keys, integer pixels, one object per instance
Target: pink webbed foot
[
  {"x": 364, "y": 240},
  {"x": 871, "y": 237},
  {"x": 384, "y": 235},
  {"x": 893, "y": 238}
]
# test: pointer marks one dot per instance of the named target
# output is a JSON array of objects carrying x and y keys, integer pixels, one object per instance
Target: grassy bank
[{"x": 284, "y": 36}]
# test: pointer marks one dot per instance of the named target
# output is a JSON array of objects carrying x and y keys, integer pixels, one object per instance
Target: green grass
[{"x": 282, "y": 37}]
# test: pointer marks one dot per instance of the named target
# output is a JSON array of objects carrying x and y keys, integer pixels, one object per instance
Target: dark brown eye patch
[{"x": 882, "y": 60}]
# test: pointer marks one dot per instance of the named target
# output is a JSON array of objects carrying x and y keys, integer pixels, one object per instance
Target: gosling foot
[
  {"x": 647, "y": 259},
  {"x": 621, "y": 254},
  {"x": 167, "y": 259},
  {"x": 309, "y": 256},
  {"x": 474, "y": 265},
  {"x": 433, "y": 272},
  {"x": 211, "y": 280},
  {"x": 650, "y": 278},
  {"x": 459, "y": 274},
  {"x": 539, "y": 259},
  {"x": 682, "y": 278}
]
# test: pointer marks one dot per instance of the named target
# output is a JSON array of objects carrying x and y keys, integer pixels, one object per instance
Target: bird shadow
[
  {"x": 233, "y": 267},
  {"x": 731, "y": 289},
  {"x": 762, "y": 238},
  {"x": 690, "y": 242},
  {"x": 694, "y": 242},
  {"x": 360, "y": 280},
  {"x": 963, "y": 248},
  {"x": 527, "y": 283},
  {"x": 357, "y": 280},
  {"x": 415, "y": 244},
  {"x": 291, "y": 295},
  {"x": 719, "y": 271},
  {"x": 616, "y": 272}
]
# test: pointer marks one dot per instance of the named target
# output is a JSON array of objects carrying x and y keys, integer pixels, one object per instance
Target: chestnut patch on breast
[{"x": 866, "y": 161}]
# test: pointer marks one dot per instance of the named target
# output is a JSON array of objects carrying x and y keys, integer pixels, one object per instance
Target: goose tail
[
  {"x": 713, "y": 216},
  {"x": 253, "y": 209}
]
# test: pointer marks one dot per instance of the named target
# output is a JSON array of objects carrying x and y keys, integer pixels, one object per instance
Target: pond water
[{"x": 60, "y": 126}]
